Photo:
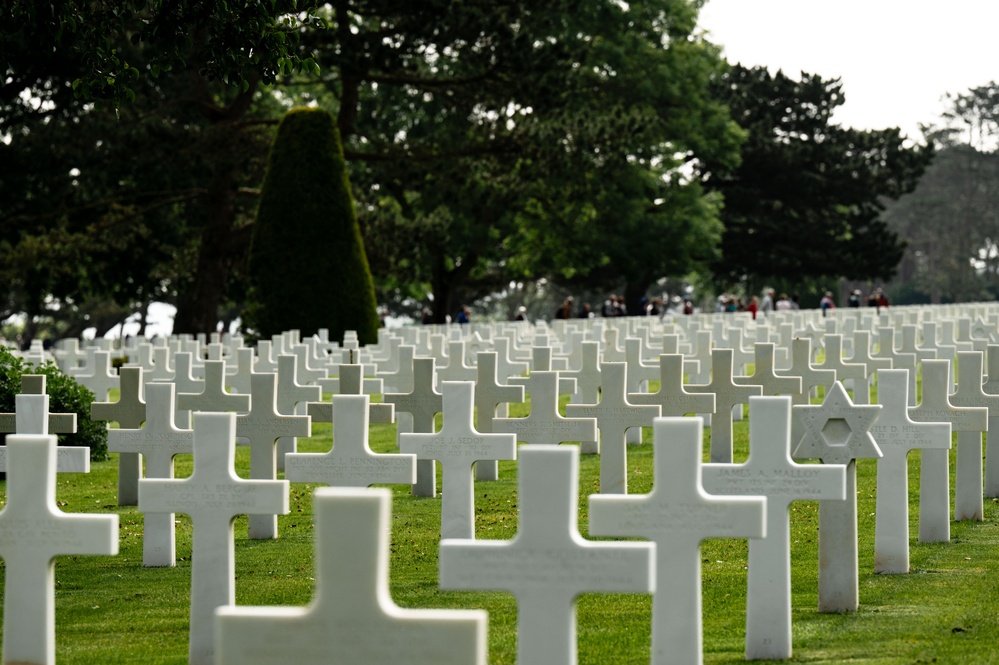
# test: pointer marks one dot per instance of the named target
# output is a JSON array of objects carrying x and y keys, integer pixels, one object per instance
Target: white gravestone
[
  {"x": 212, "y": 496},
  {"x": 764, "y": 375},
  {"x": 934, "y": 470},
  {"x": 214, "y": 398},
  {"x": 32, "y": 417},
  {"x": 615, "y": 416},
  {"x": 352, "y": 618},
  {"x": 104, "y": 378},
  {"x": 677, "y": 515},
  {"x": 849, "y": 374},
  {"x": 968, "y": 499},
  {"x": 292, "y": 398},
  {"x": 158, "y": 441},
  {"x": 423, "y": 403},
  {"x": 492, "y": 400},
  {"x": 991, "y": 387},
  {"x": 671, "y": 398},
  {"x": 261, "y": 428},
  {"x": 587, "y": 379},
  {"x": 887, "y": 351},
  {"x": 548, "y": 564},
  {"x": 184, "y": 378},
  {"x": 771, "y": 472},
  {"x": 811, "y": 380},
  {"x": 545, "y": 425},
  {"x": 33, "y": 531},
  {"x": 838, "y": 432},
  {"x": 639, "y": 375},
  {"x": 129, "y": 412},
  {"x": 728, "y": 395},
  {"x": 351, "y": 462},
  {"x": 896, "y": 434},
  {"x": 457, "y": 446},
  {"x": 350, "y": 382}
]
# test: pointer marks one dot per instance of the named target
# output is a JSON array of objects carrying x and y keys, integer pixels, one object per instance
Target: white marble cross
[
  {"x": 214, "y": 398},
  {"x": 352, "y": 618},
  {"x": 129, "y": 412},
  {"x": 423, "y": 403},
  {"x": 292, "y": 398},
  {"x": 103, "y": 379},
  {"x": 991, "y": 387},
  {"x": 764, "y": 375},
  {"x": 850, "y": 374},
  {"x": 968, "y": 498},
  {"x": 672, "y": 399},
  {"x": 213, "y": 496},
  {"x": 350, "y": 382},
  {"x": 896, "y": 434},
  {"x": 457, "y": 446},
  {"x": 548, "y": 564},
  {"x": 728, "y": 395},
  {"x": 838, "y": 432},
  {"x": 677, "y": 515},
  {"x": 887, "y": 351},
  {"x": 261, "y": 428},
  {"x": 545, "y": 425},
  {"x": 934, "y": 470},
  {"x": 771, "y": 472},
  {"x": 492, "y": 400},
  {"x": 158, "y": 441},
  {"x": 33, "y": 531},
  {"x": 350, "y": 462},
  {"x": 615, "y": 415},
  {"x": 31, "y": 416}
]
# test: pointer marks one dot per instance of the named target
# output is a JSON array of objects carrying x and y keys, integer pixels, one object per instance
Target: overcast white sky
[{"x": 896, "y": 58}]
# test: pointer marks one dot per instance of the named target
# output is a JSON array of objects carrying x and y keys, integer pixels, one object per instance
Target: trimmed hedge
[
  {"x": 307, "y": 265},
  {"x": 65, "y": 396}
]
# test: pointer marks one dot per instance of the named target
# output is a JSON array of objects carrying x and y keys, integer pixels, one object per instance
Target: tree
[
  {"x": 805, "y": 202},
  {"x": 307, "y": 266},
  {"x": 951, "y": 219},
  {"x": 473, "y": 127}
]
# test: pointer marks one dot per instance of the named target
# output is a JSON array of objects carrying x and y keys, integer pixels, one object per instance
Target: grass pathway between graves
[{"x": 112, "y": 610}]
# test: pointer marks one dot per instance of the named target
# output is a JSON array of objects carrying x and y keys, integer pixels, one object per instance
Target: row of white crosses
[{"x": 767, "y": 641}]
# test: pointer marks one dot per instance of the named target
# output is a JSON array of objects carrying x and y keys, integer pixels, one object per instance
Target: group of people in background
[{"x": 614, "y": 305}]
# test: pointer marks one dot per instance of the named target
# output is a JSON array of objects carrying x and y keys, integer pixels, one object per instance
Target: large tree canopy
[{"x": 805, "y": 202}]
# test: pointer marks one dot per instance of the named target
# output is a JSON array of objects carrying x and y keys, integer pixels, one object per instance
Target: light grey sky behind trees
[{"x": 896, "y": 58}]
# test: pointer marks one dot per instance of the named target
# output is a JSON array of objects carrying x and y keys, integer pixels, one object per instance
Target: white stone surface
[
  {"x": 838, "y": 432},
  {"x": 352, "y": 618},
  {"x": 677, "y": 515},
  {"x": 350, "y": 462},
  {"x": 548, "y": 564},
  {"x": 423, "y": 403},
  {"x": 728, "y": 395},
  {"x": 33, "y": 531},
  {"x": 896, "y": 434},
  {"x": 158, "y": 441},
  {"x": 771, "y": 472},
  {"x": 457, "y": 446},
  {"x": 544, "y": 424},
  {"x": 213, "y": 496},
  {"x": 934, "y": 473},
  {"x": 615, "y": 416},
  {"x": 129, "y": 412},
  {"x": 261, "y": 428}
]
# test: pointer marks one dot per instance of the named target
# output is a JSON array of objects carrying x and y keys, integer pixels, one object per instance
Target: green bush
[
  {"x": 307, "y": 265},
  {"x": 65, "y": 396}
]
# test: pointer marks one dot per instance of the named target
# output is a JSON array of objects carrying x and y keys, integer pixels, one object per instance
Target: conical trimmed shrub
[{"x": 308, "y": 269}]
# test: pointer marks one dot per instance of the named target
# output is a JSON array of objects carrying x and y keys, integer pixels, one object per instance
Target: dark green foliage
[
  {"x": 308, "y": 269},
  {"x": 806, "y": 201},
  {"x": 65, "y": 396}
]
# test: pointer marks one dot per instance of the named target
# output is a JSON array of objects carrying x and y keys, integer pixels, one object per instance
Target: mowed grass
[{"x": 112, "y": 610}]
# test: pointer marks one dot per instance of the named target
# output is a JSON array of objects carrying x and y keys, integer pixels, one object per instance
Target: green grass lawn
[{"x": 112, "y": 610}]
